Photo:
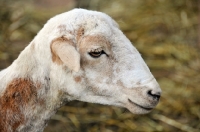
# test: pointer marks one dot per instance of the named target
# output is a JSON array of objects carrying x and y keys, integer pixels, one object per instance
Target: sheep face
[{"x": 105, "y": 66}]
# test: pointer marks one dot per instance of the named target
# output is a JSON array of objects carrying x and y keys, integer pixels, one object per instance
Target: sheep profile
[{"x": 78, "y": 55}]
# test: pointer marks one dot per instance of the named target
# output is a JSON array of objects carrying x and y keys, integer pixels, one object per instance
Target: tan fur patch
[
  {"x": 80, "y": 33},
  {"x": 97, "y": 38},
  {"x": 94, "y": 40},
  {"x": 18, "y": 94},
  {"x": 77, "y": 79}
]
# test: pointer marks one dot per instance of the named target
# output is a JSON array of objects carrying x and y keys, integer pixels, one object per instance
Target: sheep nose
[{"x": 154, "y": 95}]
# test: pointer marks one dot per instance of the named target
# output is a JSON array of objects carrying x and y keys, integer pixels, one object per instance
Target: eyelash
[{"x": 96, "y": 54}]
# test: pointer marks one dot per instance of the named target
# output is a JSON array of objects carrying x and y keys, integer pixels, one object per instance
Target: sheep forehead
[
  {"x": 93, "y": 17},
  {"x": 90, "y": 20}
]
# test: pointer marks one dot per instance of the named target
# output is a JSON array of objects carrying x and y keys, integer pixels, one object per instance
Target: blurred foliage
[{"x": 165, "y": 33}]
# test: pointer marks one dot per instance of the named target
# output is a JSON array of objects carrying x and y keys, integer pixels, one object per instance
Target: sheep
[{"x": 77, "y": 55}]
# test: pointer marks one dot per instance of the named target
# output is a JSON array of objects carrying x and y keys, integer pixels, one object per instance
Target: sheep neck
[{"x": 27, "y": 102}]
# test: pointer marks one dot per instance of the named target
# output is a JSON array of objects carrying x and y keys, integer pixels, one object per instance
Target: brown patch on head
[
  {"x": 96, "y": 40},
  {"x": 77, "y": 79},
  {"x": 19, "y": 93},
  {"x": 80, "y": 33},
  {"x": 55, "y": 58}
]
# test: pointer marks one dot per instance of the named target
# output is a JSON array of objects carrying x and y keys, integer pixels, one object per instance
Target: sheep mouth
[{"x": 142, "y": 107}]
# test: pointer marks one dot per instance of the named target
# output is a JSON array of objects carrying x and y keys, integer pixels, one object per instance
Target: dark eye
[{"x": 96, "y": 54}]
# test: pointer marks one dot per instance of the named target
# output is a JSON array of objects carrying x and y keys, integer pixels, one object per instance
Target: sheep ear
[{"x": 64, "y": 53}]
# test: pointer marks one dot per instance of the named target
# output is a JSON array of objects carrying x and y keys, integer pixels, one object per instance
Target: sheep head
[{"x": 93, "y": 61}]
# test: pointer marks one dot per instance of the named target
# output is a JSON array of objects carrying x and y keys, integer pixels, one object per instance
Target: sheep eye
[{"x": 96, "y": 54}]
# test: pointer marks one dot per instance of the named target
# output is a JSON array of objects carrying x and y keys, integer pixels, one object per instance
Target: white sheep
[{"x": 78, "y": 55}]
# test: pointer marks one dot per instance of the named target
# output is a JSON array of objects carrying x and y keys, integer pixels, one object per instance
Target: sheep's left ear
[{"x": 63, "y": 52}]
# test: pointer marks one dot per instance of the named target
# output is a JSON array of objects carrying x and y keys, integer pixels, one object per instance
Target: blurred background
[{"x": 166, "y": 33}]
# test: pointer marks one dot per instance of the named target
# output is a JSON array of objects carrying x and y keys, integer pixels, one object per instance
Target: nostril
[{"x": 154, "y": 95}]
